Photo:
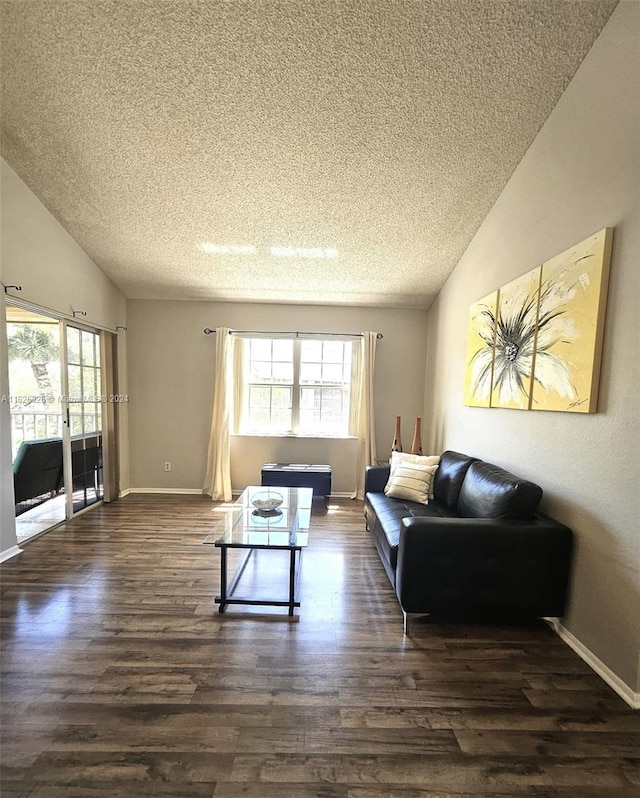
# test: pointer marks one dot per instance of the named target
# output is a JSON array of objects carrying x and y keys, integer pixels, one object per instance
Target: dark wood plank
[
  {"x": 119, "y": 678},
  {"x": 549, "y": 744},
  {"x": 465, "y": 774}
]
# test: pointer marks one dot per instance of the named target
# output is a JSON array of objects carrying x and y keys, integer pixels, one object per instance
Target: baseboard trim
[
  {"x": 184, "y": 491},
  {"x": 124, "y": 493},
  {"x": 7, "y": 554},
  {"x": 596, "y": 664}
]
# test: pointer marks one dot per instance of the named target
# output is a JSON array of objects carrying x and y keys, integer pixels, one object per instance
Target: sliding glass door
[{"x": 63, "y": 427}]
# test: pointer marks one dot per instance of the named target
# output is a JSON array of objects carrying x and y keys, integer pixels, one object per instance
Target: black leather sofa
[{"x": 479, "y": 549}]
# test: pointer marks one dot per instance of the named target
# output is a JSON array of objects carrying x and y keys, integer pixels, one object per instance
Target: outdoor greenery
[{"x": 33, "y": 351}]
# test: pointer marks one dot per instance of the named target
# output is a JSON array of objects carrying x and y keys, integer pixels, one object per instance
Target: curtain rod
[
  {"x": 297, "y": 333},
  {"x": 57, "y": 315}
]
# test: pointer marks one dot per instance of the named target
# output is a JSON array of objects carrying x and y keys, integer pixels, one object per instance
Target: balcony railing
[{"x": 34, "y": 425}]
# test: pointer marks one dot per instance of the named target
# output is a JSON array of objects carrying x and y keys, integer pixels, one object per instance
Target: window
[
  {"x": 85, "y": 381},
  {"x": 296, "y": 386}
]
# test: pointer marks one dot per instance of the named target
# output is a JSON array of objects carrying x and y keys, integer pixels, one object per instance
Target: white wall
[
  {"x": 581, "y": 174},
  {"x": 171, "y": 387},
  {"x": 37, "y": 253}
]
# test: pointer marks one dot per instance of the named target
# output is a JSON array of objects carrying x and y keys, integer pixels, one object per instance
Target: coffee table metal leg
[
  {"x": 292, "y": 580},
  {"x": 227, "y": 591},
  {"x": 223, "y": 579}
]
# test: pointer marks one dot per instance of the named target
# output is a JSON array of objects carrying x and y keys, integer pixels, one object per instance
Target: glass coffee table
[{"x": 285, "y": 528}]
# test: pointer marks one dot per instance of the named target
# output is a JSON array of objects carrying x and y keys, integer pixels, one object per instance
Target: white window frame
[{"x": 296, "y": 386}]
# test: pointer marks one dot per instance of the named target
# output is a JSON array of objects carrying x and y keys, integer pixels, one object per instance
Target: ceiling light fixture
[
  {"x": 318, "y": 253},
  {"x": 227, "y": 249}
]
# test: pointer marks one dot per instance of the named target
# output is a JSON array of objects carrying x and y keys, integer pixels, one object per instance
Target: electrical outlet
[{"x": 167, "y": 466}]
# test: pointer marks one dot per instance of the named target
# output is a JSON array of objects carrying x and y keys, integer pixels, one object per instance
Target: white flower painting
[
  {"x": 515, "y": 342},
  {"x": 480, "y": 350},
  {"x": 535, "y": 343}
]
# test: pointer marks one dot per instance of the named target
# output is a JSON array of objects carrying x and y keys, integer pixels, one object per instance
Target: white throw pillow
[
  {"x": 404, "y": 458},
  {"x": 411, "y": 477},
  {"x": 420, "y": 459}
]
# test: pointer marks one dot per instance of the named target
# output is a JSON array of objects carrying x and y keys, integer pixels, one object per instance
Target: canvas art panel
[
  {"x": 536, "y": 342},
  {"x": 480, "y": 350},
  {"x": 515, "y": 342},
  {"x": 573, "y": 297}
]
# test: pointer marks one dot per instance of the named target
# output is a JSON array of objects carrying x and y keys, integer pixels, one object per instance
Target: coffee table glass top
[{"x": 242, "y": 526}]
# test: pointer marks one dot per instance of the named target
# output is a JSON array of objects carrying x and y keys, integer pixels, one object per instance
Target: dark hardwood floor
[{"x": 120, "y": 678}]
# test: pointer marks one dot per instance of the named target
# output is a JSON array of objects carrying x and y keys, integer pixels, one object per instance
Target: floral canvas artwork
[
  {"x": 480, "y": 349},
  {"x": 573, "y": 296},
  {"x": 515, "y": 342},
  {"x": 536, "y": 342}
]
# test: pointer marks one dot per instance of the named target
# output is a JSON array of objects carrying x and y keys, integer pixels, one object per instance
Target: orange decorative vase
[
  {"x": 396, "y": 446},
  {"x": 416, "y": 446}
]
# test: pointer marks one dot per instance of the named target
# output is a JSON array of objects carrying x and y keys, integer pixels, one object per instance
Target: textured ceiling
[{"x": 381, "y": 129}]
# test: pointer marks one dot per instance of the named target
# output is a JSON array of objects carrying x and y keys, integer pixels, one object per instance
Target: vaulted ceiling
[{"x": 306, "y": 151}]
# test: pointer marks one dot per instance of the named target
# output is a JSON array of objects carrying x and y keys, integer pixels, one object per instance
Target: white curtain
[
  {"x": 363, "y": 405},
  {"x": 217, "y": 482}
]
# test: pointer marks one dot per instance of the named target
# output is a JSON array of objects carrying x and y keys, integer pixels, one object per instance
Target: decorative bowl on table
[{"x": 267, "y": 502}]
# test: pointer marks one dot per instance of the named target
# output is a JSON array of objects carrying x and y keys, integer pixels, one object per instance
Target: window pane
[
  {"x": 309, "y": 397},
  {"x": 282, "y": 349},
  {"x": 76, "y": 423},
  {"x": 88, "y": 382},
  {"x": 332, "y": 421},
  {"x": 281, "y": 397},
  {"x": 332, "y": 372},
  {"x": 309, "y": 419},
  {"x": 333, "y": 352},
  {"x": 88, "y": 349},
  {"x": 311, "y": 351},
  {"x": 327, "y": 398},
  {"x": 260, "y": 349},
  {"x": 259, "y": 396},
  {"x": 310, "y": 372},
  {"x": 280, "y": 419},
  {"x": 90, "y": 420},
  {"x": 75, "y": 390},
  {"x": 259, "y": 418},
  {"x": 260, "y": 372},
  {"x": 283, "y": 372},
  {"x": 73, "y": 345}
]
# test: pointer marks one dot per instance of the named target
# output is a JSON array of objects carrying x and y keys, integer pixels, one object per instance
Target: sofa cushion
[
  {"x": 375, "y": 478},
  {"x": 403, "y": 458},
  {"x": 384, "y": 520},
  {"x": 411, "y": 477},
  {"x": 449, "y": 477},
  {"x": 489, "y": 491}
]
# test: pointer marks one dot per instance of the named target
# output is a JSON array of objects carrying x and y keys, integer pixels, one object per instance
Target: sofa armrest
[
  {"x": 375, "y": 478},
  {"x": 455, "y": 565}
]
